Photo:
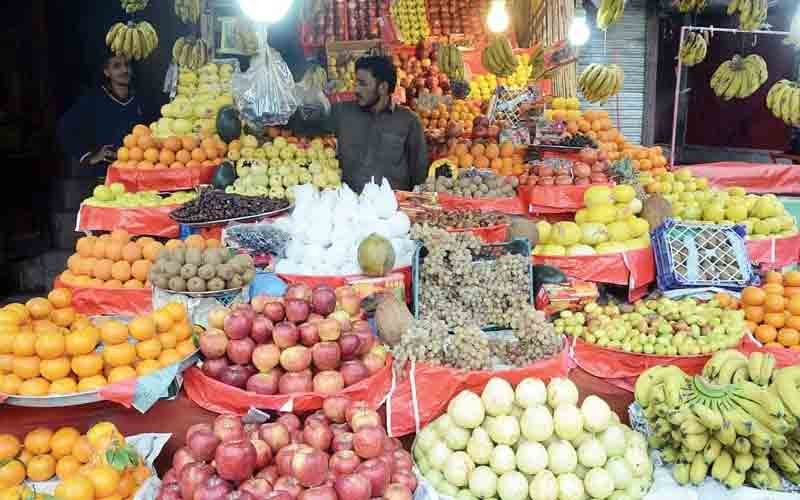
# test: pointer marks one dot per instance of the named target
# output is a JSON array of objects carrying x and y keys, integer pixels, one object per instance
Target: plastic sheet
[
  {"x": 613, "y": 364},
  {"x": 635, "y": 269},
  {"x": 265, "y": 93},
  {"x": 512, "y": 206},
  {"x": 754, "y": 177},
  {"x": 434, "y": 386},
  {"x": 154, "y": 221},
  {"x": 775, "y": 253},
  {"x": 337, "y": 281},
  {"x": 552, "y": 199},
  {"x": 215, "y": 396},
  {"x": 109, "y": 301},
  {"x": 169, "y": 179},
  {"x": 783, "y": 356},
  {"x": 491, "y": 234}
]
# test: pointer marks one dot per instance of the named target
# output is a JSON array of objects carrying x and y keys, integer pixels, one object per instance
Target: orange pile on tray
[
  {"x": 502, "y": 159},
  {"x": 144, "y": 151},
  {"x": 114, "y": 260},
  {"x": 772, "y": 311},
  {"x": 46, "y": 348},
  {"x": 462, "y": 113},
  {"x": 597, "y": 125}
]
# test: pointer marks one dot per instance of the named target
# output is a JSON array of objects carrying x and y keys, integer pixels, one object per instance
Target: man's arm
[
  {"x": 325, "y": 125},
  {"x": 417, "y": 153}
]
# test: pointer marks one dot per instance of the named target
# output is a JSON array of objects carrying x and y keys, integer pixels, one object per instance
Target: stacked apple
[
  {"x": 309, "y": 340},
  {"x": 591, "y": 168},
  {"x": 457, "y": 16},
  {"x": 419, "y": 74},
  {"x": 339, "y": 452}
]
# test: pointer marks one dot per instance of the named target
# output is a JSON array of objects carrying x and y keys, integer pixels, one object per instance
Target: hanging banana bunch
[
  {"x": 133, "y": 40},
  {"x": 190, "y": 53},
  {"x": 599, "y": 82},
  {"x": 188, "y": 11},
  {"x": 450, "y": 61},
  {"x": 498, "y": 57},
  {"x": 694, "y": 49},
  {"x": 686, "y": 6},
  {"x": 783, "y": 100},
  {"x": 610, "y": 12},
  {"x": 739, "y": 77},
  {"x": 752, "y": 13},
  {"x": 131, "y": 6}
]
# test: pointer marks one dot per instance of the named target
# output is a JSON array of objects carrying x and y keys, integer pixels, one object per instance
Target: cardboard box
[
  {"x": 573, "y": 295},
  {"x": 366, "y": 286}
]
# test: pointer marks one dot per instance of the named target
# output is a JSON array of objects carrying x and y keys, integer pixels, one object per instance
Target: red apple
[
  {"x": 353, "y": 371},
  {"x": 181, "y": 458},
  {"x": 297, "y": 310},
  {"x": 402, "y": 459},
  {"x": 318, "y": 436},
  {"x": 203, "y": 444},
  {"x": 354, "y": 408},
  {"x": 169, "y": 491},
  {"x": 328, "y": 382},
  {"x": 228, "y": 428},
  {"x": 216, "y": 318},
  {"x": 263, "y": 453},
  {"x": 290, "y": 420},
  {"x": 279, "y": 495},
  {"x": 198, "y": 427},
  {"x": 295, "y": 382},
  {"x": 364, "y": 417},
  {"x": 396, "y": 491},
  {"x": 309, "y": 334},
  {"x": 342, "y": 441},
  {"x": 367, "y": 341},
  {"x": 269, "y": 473},
  {"x": 392, "y": 444},
  {"x": 266, "y": 357},
  {"x": 376, "y": 471},
  {"x": 289, "y": 485},
  {"x": 344, "y": 462},
  {"x": 310, "y": 467},
  {"x": 296, "y": 358},
  {"x": 240, "y": 351},
  {"x": 259, "y": 488},
  {"x": 275, "y": 434},
  {"x": 235, "y": 460},
  {"x": 326, "y": 355},
  {"x": 368, "y": 441},
  {"x": 297, "y": 291},
  {"x": 238, "y": 325},
  {"x": 213, "y": 488},
  {"x": 323, "y": 300},
  {"x": 318, "y": 417},
  {"x": 259, "y": 302},
  {"x": 170, "y": 477},
  {"x": 353, "y": 487},
  {"x": 374, "y": 362},
  {"x": 262, "y": 329},
  {"x": 344, "y": 321},
  {"x": 361, "y": 325},
  {"x": 340, "y": 428},
  {"x": 213, "y": 343},
  {"x": 329, "y": 329},
  {"x": 349, "y": 345},
  {"x": 265, "y": 383},
  {"x": 215, "y": 367},
  {"x": 283, "y": 459},
  {"x": 192, "y": 476},
  {"x": 314, "y": 317},
  {"x": 335, "y": 408},
  {"x": 285, "y": 334},
  {"x": 324, "y": 492},
  {"x": 274, "y": 311},
  {"x": 351, "y": 304}
]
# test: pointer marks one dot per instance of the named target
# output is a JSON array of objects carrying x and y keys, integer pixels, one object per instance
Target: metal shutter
[{"x": 626, "y": 46}]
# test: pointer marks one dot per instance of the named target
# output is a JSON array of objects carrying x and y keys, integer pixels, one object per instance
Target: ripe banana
[
  {"x": 190, "y": 54},
  {"x": 783, "y": 100},
  {"x": 610, "y": 12},
  {"x": 599, "y": 82},
  {"x": 450, "y": 61},
  {"x": 498, "y": 57},
  {"x": 685, "y": 6},
  {"x": 188, "y": 11},
  {"x": 131, "y": 6},
  {"x": 739, "y": 77},
  {"x": 694, "y": 49},
  {"x": 133, "y": 40},
  {"x": 752, "y": 13}
]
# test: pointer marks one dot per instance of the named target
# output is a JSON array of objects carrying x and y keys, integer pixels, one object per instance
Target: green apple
[{"x": 103, "y": 193}]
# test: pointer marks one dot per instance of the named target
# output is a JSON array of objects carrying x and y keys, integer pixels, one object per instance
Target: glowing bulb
[
  {"x": 497, "y": 20},
  {"x": 578, "y": 31},
  {"x": 265, "y": 11}
]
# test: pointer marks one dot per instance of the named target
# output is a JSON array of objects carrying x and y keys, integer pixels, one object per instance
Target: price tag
[{"x": 153, "y": 387}]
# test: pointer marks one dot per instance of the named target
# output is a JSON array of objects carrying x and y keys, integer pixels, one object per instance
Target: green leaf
[{"x": 196, "y": 340}]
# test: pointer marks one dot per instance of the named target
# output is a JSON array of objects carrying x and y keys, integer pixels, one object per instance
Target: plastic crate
[
  {"x": 701, "y": 255},
  {"x": 518, "y": 246}
]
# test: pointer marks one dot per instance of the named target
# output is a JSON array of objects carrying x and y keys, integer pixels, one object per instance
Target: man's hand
[{"x": 105, "y": 154}]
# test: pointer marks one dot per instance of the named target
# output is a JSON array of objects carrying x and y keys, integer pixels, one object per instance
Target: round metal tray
[
  {"x": 249, "y": 218},
  {"x": 79, "y": 398},
  {"x": 202, "y": 294}
]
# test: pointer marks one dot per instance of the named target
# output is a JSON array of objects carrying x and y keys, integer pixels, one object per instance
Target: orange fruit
[
  {"x": 86, "y": 266},
  {"x": 788, "y": 337},
  {"x": 80, "y": 323},
  {"x": 172, "y": 144},
  {"x": 792, "y": 278},
  {"x": 773, "y": 277},
  {"x": 77, "y": 487},
  {"x": 60, "y": 297},
  {"x": 173, "y": 244},
  {"x": 105, "y": 480},
  {"x": 65, "y": 385},
  {"x": 141, "y": 130},
  {"x": 777, "y": 320},
  {"x": 136, "y": 154},
  {"x": 9, "y": 447},
  {"x": 50, "y": 345},
  {"x": 41, "y": 468},
  {"x": 102, "y": 269},
  {"x": 55, "y": 369},
  {"x": 119, "y": 354},
  {"x": 176, "y": 310},
  {"x": 7, "y": 342},
  {"x": 26, "y": 367},
  {"x": 36, "y": 386},
  {"x": 195, "y": 241},
  {"x": 213, "y": 243},
  {"x": 793, "y": 305},
  {"x": 99, "y": 249},
  {"x": 151, "y": 154},
  {"x": 186, "y": 348},
  {"x": 142, "y": 328},
  {"x": 182, "y": 330},
  {"x": 131, "y": 252},
  {"x": 127, "y": 484},
  {"x": 85, "y": 245},
  {"x": 163, "y": 320},
  {"x": 129, "y": 141},
  {"x": 146, "y": 165},
  {"x": 121, "y": 373},
  {"x": 754, "y": 314},
  {"x": 141, "y": 473},
  {"x": 773, "y": 288},
  {"x": 82, "y": 341},
  {"x": 183, "y": 157},
  {"x": 169, "y": 357},
  {"x": 39, "y": 308},
  {"x": 12, "y": 474},
  {"x": 133, "y": 283},
  {"x": 9, "y": 384},
  {"x": 147, "y": 366},
  {"x": 7, "y": 360},
  {"x": 793, "y": 322},
  {"x": 74, "y": 264},
  {"x": 92, "y": 383},
  {"x": 63, "y": 441},
  {"x": 151, "y": 250},
  {"x": 37, "y": 441},
  {"x": 112, "y": 284},
  {"x": 120, "y": 236},
  {"x": 66, "y": 467},
  {"x": 149, "y": 349},
  {"x": 188, "y": 142},
  {"x": 752, "y": 296},
  {"x": 87, "y": 365},
  {"x": 121, "y": 270},
  {"x": 723, "y": 299},
  {"x": 24, "y": 344},
  {"x": 82, "y": 450},
  {"x": 114, "y": 332},
  {"x": 140, "y": 269},
  {"x": 169, "y": 340}
]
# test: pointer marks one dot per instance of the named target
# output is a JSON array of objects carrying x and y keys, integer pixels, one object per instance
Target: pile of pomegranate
[
  {"x": 339, "y": 452},
  {"x": 309, "y": 340},
  {"x": 590, "y": 168}
]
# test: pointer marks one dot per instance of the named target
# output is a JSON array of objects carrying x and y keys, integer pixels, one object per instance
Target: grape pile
[
  {"x": 214, "y": 205},
  {"x": 536, "y": 339}
]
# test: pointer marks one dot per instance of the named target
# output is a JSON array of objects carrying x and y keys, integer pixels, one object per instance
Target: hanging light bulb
[
  {"x": 265, "y": 11},
  {"x": 497, "y": 20},
  {"x": 579, "y": 31}
]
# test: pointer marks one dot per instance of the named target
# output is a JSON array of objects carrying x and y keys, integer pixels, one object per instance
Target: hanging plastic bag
[{"x": 265, "y": 93}]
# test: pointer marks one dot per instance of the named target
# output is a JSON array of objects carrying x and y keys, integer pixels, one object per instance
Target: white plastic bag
[{"x": 265, "y": 93}]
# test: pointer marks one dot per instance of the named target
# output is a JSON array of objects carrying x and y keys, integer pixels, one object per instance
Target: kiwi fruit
[
  {"x": 249, "y": 275},
  {"x": 160, "y": 281},
  {"x": 206, "y": 271},
  {"x": 158, "y": 266},
  {"x": 236, "y": 281},
  {"x": 178, "y": 255},
  {"x": 212, "y": 257},
  {"x": 196, "y": 285},
  {"x": 176, "y": 283},
  {"x": 215, "y": 284},
  {"x": 225, "y": 271},
  {"x": 188, "y": 271},
  {"x": 172, "y": 268},
  {"x": 194, "y": 256}
]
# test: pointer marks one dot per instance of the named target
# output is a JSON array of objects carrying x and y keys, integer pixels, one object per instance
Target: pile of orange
[
  {"x": 47, "y": 349},
  {"x": 502, "y": 159},
  {"x": 144, "y": 151},
  {"x": 597, "y": 125},
  {"x": 75, "y": 459},
  {"x": 461, "y": 112},
  {"x": 772, "y": 311},
  {"x": 115, "y": 260}
]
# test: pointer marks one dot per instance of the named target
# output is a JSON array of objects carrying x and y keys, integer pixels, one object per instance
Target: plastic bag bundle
[{"x": 265, "y": 94}]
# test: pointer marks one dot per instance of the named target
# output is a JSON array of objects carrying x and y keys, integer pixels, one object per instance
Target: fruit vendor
[
  {"x": 90, "y": 132},
  {"x": 376, "y": 138}
]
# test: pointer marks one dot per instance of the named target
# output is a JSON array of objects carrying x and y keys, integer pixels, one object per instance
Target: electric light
[
  {"x": 265, "y": 11},
  {"x": 497, "y": 20},
  {"x": 578, "y": 31}
]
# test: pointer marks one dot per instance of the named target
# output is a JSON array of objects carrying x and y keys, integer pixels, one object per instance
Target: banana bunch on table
[
  {"x": 694, "y": 49},
  {"x": 599, "y": 82},
  {"x": 131, "y": 6},
  {"x": 132, "y": 40},
  {"x": 752, "y": 13},
  {"x": 188, "y": 11},
  {"x": 783, "y": 100},
  {"x": 739, "y": 77},
  {"x": 498, "y": 57},
  {"x": 610, "y": 12},
  {"x": 736, "y": 421},
  {"x": 190, "y": 53}
]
